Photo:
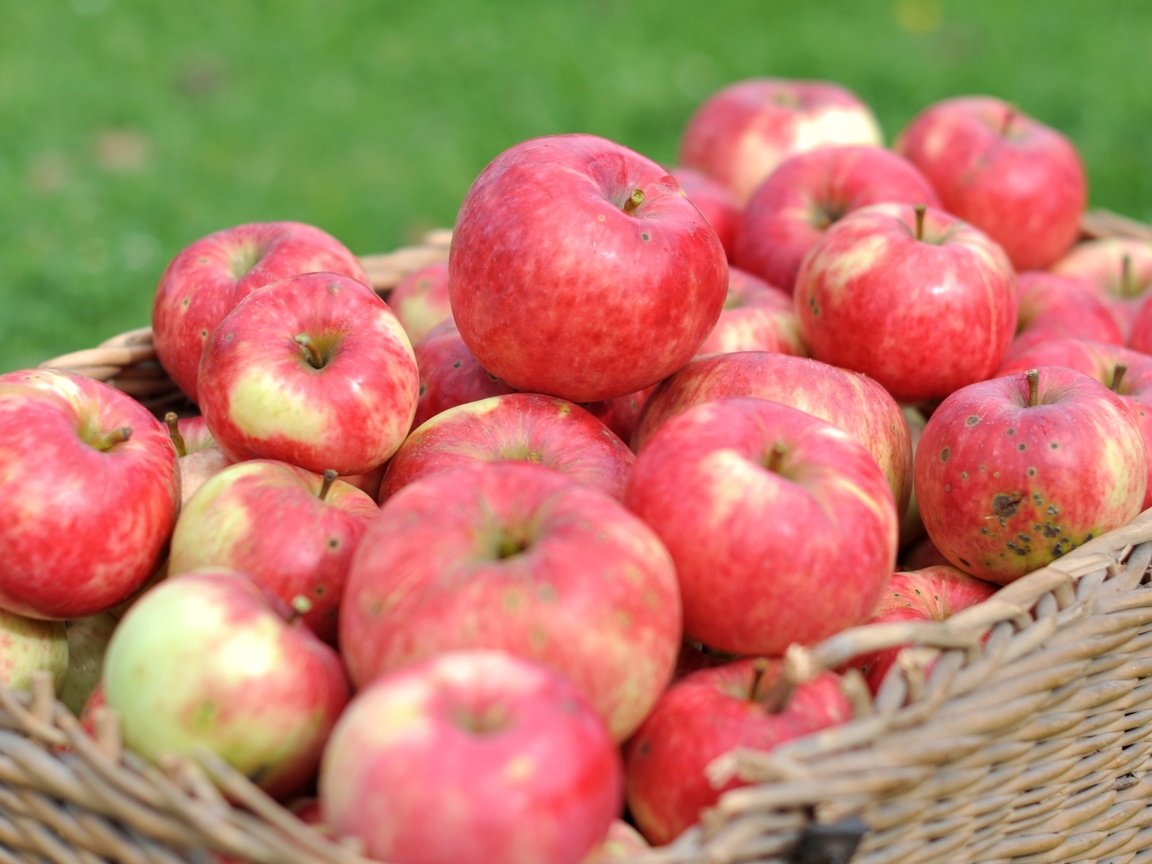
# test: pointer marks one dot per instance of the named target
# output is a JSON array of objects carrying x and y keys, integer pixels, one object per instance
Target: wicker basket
[{"x": 1030, "y": 739}]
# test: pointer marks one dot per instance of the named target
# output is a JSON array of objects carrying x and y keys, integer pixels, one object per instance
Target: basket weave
[{"x": 1030, "y": 739}]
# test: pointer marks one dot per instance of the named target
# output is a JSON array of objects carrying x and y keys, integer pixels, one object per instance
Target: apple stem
[
  {"x": 634, "y": 201},
  {"x": 1127, "y": 289},
  {"x": 300, "y": 607},
  {"x": 1033, "y": 378},
  {"x": 775, "y": 459},
  {"x": 1009, "y": 121},
  {"x": 311, "y": 355},
  {"x": 759, "y": 667},
  {"x": 109, "y": 440},
  {"x": 181, "y": 445},
  {"x": 1118, "y": 376},
  {"x": 920, "y": 210},
  {"x": 330, "y": 476}
]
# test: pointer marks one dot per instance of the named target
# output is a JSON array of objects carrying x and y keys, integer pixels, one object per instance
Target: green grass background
[{"x": 129, "y": 128}]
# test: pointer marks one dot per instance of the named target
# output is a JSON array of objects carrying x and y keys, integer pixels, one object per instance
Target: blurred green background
[{"x": 130, "y": 128}]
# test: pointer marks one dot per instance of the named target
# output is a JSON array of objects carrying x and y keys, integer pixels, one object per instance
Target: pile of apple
[{"x": 491, "y": 568}]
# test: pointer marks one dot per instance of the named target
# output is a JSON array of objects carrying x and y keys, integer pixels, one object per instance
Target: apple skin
[
  {"x": 420, "y": 300},
  {"x": 87, "y": 640},
  {"x": 1015, "y": 178},
  {"x": 562, "y": 284},
  {"x": 517, "y": 557},
  {"x": 782, "y": 526},
  {"x": 713, "y": 200},
  {"x": 209, "y": 276},
  {"x": 450, "y": 374},
  {"x": 1051, "y": 306},
  {"x": 1103, "y": 361},
  {"x": 31, "y": 644},
  {"x": 278, "y": 524},
  {"x": 1008, "y": 483},
  {"x": 742, "y": 131},
  {"x": 258, "y": 690},
  {"x": 852, "y": 401},
  {"x": 621, "y": 413},
  {"x": 114, "y": 501},
  {"x": 756, "y": 317},
  {"x": 923, "y": 313},
  {"x": 794, "y": 205},
  {"x": 933, "y": 593},
  {"x": 343, "y": 402},
  {"x": 706, "y": 715},
  {"x": 1118, "y": 270},
  {"x": 472, "y": 757},
  {"x": 527, "y": 427}
]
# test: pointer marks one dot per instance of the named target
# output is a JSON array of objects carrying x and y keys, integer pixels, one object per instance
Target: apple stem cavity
[
  {"x": 774, "y": 461},
  {"x": 309, "y": 350},
  {"x": 1033, "y": 378},
  {"x": 330, "y": 477},
  {"x": 776, "y": 697},
  {"x": 634, "y": 201},
  {"x": 1118, "y": 376},
  {"x": 920, "y": 210},
  {"x": 172, "y": 421}
]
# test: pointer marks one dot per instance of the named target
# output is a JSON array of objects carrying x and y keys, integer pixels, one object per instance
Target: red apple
[
  {"x": 855, "y": 403},
  {"x": 450, "y": 374},
  {"x": 524, "y": 427},
  {"x": 210, "y": 660},
  {"x": 910, "y": 296},
  {"x": 782, "y": 526},
  {"x": 932, "y": 593},
  {"x": 1015, "y": 178},
  {"x": 756, "y": 317},
  {"x": 580, "y": 269},
  {"x": 794, "y": 205},
  {"x": 212, "y": 274},
  {"x": 1127, "y": 372},
  {"x": 1013, "y": 472},
  {"x": 289, "y": 529},
  {"x": 620, "y": 413},
  {"x": 744, "y": 130},
  {"x": 1056, "y": 307},
  {"x": 742, "y": 704},
  {"x": 420, "y": 300},
  {"x": 516, "y": 556},
  {"x": 713, "y": 200},
  {"x": 91, "y": 493},
  {"x": 472, "y": 757},
  {"x": 1116, "y": 269},
  {"x": 314, "y": 370}
]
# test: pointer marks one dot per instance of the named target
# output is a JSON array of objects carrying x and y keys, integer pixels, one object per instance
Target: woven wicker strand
[{"x": 1019, "y": 730}]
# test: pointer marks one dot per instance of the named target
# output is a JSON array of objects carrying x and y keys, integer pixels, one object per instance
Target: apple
[
  {"x": 1015, "y": 471},
  {"x": 622, "y": 844},
  {"x": 1125, "y": 371},
  {"x": 746, "y": 703},
  {"x": 314, "y": 370},
  {"x": 580, "y": 269},
  {"x": 852, "y": 401},
  {"x": 420, "y": 300},
  {"x": 212, "y": 274},
  {"x": 1051, "y": 306},
  {"x": 212, "y": 661},
  {"x": 472, "y": 757},
  {"x": 782, "y": 526},
  {"x": 620, "y": 413},
  {"x": 806, "y": 193},
  {"x": 1116, "y": 269},
  {"x": 713, "y": 200},
  {"x": 199, "y": 457},
  {"x": 92, "y": 488},
  {"x": 910, "y": 296},
  {"x": 742, "y": 131},
  {"x": 28, "y": 645},
  {"x": 1015, "y": 178},
  {"x": 527, "y": 427},
  {"x": 756, "y": 317},
  {"x": 87, "y": 640},
  {"x": 291, "y": 530},
  {"x": 517, "y": 557},
  {"x": 933, "y": 593},
  {"x": 450, "y": 374}
]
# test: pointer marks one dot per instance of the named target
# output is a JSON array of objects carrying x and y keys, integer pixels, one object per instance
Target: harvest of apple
[{"x": 493, "y": 565}]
